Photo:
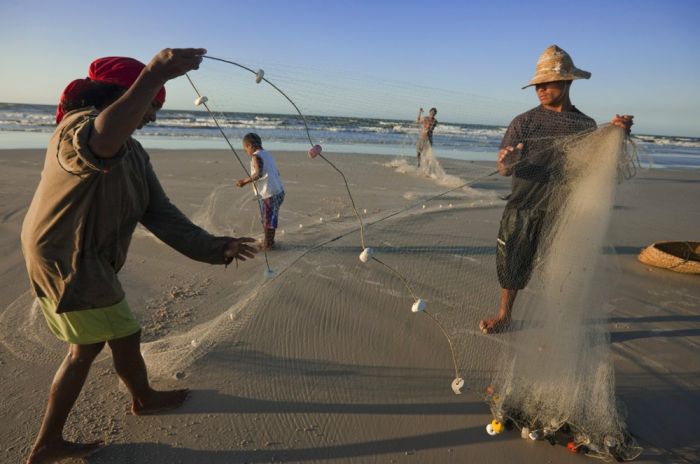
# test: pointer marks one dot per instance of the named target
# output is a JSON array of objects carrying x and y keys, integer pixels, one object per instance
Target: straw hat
[{"x": 556, "y": 65}]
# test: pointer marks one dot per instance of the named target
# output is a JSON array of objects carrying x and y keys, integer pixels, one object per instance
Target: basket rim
[{"x": 653, "y": 255}]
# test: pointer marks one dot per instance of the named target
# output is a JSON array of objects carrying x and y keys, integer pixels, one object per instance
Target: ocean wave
[
  {"x": 329, "y": 129},
  {"x": 663, "y": 140}
]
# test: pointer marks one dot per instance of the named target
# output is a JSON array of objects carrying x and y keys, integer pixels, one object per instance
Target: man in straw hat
[{"x": 529, "y": 153}]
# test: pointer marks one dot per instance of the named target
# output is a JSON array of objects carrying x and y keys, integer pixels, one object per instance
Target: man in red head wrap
[{"x": 97, "y": 185}]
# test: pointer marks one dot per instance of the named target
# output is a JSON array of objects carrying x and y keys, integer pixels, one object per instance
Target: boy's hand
[
  {"x": 236, "y": 248},
  {"x": 240, "y": 183}
]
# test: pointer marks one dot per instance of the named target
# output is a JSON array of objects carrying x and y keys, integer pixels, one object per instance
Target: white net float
[
  {"x": 269, "y": 273},
  {"x": 418, "y": 306},
  {"x": 366, "y": 254}
]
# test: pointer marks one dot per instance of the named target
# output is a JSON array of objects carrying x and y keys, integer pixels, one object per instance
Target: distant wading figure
[
  {"x": 427, "y": 126},
  {"x": 529, "y": 154},
  {"x": 96, "y": 186}
]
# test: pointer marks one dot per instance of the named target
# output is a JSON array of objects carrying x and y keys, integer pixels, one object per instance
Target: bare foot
[
  {"x": 495, "y": 325},
  {"x": 261, "y": 245},
  {"x": 159, "y": 401},
  {"x": 60, "y": 450}
]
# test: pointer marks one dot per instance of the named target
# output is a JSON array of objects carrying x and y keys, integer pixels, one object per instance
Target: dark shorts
[
  {"x": 271, "y": 210},
  {"x": 516, "y": 249}
]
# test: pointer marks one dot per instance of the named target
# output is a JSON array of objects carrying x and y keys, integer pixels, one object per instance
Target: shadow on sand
[{"x": 140, "y": 452}]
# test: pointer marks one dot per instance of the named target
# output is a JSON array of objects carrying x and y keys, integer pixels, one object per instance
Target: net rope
[{"x": 551, "y": 373}]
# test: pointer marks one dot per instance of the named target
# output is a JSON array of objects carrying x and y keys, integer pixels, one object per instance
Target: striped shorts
[{"x": 271, "y": 209}]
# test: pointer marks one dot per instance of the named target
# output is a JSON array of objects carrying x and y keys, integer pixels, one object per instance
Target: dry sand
[{"x": 315, "y": 380}]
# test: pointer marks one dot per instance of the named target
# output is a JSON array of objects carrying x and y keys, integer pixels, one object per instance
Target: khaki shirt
[{"x": 79, "y": 225}]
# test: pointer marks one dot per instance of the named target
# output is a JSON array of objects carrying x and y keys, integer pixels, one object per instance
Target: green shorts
[{"x": 90, "y": 325}]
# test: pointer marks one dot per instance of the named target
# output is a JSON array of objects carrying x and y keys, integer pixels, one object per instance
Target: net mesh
[{"x": 432, "y": 266}]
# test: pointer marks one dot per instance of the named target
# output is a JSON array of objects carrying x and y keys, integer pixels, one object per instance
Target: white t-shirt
[{"x": 270, "y": 182}]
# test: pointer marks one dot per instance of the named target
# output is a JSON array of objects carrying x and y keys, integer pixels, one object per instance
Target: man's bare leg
[
  {"x": 65, "y": 389},
  {"x": 502, "y": 320},
  {"x": 131, "y": 368}
]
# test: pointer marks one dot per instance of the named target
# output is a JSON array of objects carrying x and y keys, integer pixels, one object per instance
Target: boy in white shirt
[{"x": 267, "y": 185}]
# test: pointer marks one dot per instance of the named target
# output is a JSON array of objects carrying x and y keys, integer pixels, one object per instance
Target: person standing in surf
[
  {"x": 267, "y": 185},
  {"x": 425, "y": 138},
  {"x": 530, "y": 153},
  {"x": 97, "y": 184}
]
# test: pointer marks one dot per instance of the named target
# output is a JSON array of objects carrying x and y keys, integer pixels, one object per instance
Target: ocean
[{"x": 30, "y": 126}]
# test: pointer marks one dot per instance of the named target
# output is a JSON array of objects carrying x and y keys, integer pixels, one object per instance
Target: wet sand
[{"x": 282, "y": 373}]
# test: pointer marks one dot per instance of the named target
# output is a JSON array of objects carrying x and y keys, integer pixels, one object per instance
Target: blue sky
[{"x": 644, "y": 55}]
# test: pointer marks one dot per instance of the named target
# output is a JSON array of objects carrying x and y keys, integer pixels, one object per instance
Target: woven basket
[{"x": 675, "y": 256}]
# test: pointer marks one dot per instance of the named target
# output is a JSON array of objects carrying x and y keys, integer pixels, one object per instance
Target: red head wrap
[{"x": 116, "y": 70}]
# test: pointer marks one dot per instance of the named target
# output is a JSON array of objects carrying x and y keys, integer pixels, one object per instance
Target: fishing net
[
  {"x": 418, "y": 251},
  {"x": 554, "y": 371}
]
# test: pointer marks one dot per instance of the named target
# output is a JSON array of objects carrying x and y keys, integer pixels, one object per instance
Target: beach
[{"x": 315, "y": 365}]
